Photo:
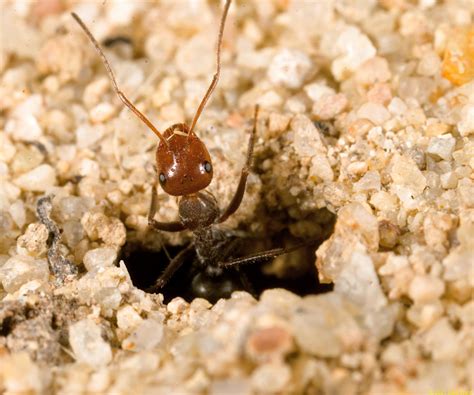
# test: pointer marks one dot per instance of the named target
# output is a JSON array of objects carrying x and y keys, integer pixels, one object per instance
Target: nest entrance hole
[{"x": 145, "y": 266}]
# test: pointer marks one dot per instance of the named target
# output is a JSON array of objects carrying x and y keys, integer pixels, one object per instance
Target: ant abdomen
[
  {"x": 183, "y": 162},
  {"x": 213, "y": 288}
]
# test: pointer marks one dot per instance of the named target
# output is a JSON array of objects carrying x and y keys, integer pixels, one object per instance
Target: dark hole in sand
[
  {"x": 145, "y": 266},
  {"x": 6, "y": 326}
]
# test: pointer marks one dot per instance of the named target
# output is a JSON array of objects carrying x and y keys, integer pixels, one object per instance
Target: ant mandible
[{"x": 185, "y": 170}]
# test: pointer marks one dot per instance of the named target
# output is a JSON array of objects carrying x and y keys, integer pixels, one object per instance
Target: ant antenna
[
  {"x": 215, "y": 78},
  {"x": 120, "y": 94}
]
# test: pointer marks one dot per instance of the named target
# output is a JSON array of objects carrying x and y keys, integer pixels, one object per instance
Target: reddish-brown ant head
[{"x": 184, "y": 164}]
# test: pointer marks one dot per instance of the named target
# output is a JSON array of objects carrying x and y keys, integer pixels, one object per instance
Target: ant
[{"x": 184, "y": 169}]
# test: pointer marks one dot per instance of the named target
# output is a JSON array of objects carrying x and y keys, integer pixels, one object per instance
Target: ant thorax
[{"x": 198, "y": 210}]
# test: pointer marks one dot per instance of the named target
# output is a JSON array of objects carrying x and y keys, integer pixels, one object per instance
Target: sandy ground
[{"x": 367, "y": 119}]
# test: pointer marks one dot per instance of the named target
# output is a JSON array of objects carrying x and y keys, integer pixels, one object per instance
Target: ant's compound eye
[
  {"x": 162, "y": 178},
  {"x": 207, "y": 166}
]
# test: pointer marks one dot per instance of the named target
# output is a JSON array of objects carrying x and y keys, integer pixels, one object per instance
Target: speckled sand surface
[{"x": 367, "y": 112}]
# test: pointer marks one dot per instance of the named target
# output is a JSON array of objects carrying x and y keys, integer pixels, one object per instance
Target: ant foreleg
[
  {"x": 239, "y": 193},
  {"x": 174, "y": 265},
  {"x": 174, "y": 226},
  {"x": 246, "y": 283}
]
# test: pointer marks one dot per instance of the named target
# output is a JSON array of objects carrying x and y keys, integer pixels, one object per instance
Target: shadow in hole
[{"x": 145, "y": 266}]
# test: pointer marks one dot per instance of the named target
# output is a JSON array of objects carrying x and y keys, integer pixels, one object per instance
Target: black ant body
[{"x": 184, "y": 170}]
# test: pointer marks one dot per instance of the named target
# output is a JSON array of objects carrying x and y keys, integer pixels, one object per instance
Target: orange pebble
[{"x": 458, "y": 62}]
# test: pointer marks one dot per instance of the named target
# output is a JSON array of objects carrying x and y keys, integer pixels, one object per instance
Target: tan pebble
[
  {"x": 64, "y": 55},
  {"x": 42, "y": 9},
  {"x": 369, "y": 182},
  {"x": 441, "y": 341},
  {"x": 465, "y": 192},
  {"x": 354, "y": 48},
  {"x": 59, "y": 124},
  {"x": 425, "y": 289},
  {"x": 400, "y": 283},
  {"x": 235, "y": 120},
  {"x": 88, "y": 168},
  {"x": 384, "y": 201},
  {"x": 52, "y": 84},
  {"x": 429, "y": 64},
  {"x": 163, "y": 94},
  {"x": 138, "y": 222},
  {"x": 115, "y": 197},
  {"x": 114, "y": 233},
  {"x": 328, "y": 106},
  {"x": 316, "y": 91},
  {"x": 436, "y": 128},
  {"x": 360, "y": 127},
  {"x": 397, "y": 106},
  {"x": 17, "y": 211},
  {"x": 87, "y": 135},
  {"x": 374, "y": 112},
  {"x": 321, "y": 169},
  {"x": 393, "y": 354},
  {"x": 34, "y": 241},
  {"x": 27, "y": 157},
  {"x": 449, "y": 180},
  {"x": 128, "y": 318},
  {"x": 109, "y": 229},
  {"x": 413, "y": 23},
  {"x": 94, "y": 92},
  {"x": 177, "y": 306},
  {"x": 393, "y": 264},
  {"x": 278, "y": 123},
  {"x": 85, "y": 339},
  {"x": 7, "y": 148},
  {"x": 415, "y": 117},
  {"x": 389, "y": 234},
  {"x": 21, "y": 269},
  {"x": 99, "y": 258},
  {"x": 271, "y": 378},
  {"x": 424, "y": 316},
  {"x": 441, "y": 147},
  {"x": 20, "y": 374},
  {"x": 458, "y": 62},
  {"x": 289, "y": 68},
  {"x": 270, "y": 342},
  {"x": 40, "y": 179},
  {"x": 295, "y": 105},
  {"x": 270, "y": 99},
  {"x": 357, "y": 168},
  {"x": 199, "y": 305},
  {"x": 466, "y": 124},
  {"x": 372, "y": 71},
  {"x": 436, "y": 227},
  {"x": 125, "y": 186},
  {"x": 189, "y": 59},
  {"x": 102, "y": 112},
  {"x": 459, "y": 290},
  {"x": 380, "y": 93},
  {"x": 405, "y": 173}
]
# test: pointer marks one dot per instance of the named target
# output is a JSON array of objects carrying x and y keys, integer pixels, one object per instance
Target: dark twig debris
[{"x": 61, "y": 267}]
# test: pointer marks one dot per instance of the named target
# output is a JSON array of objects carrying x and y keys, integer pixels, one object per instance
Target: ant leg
[
  {"x": 239, "y": 193},
  {"x": 261, "y": 256},
  {"x": 246, "y": 283},
  {"x": 175, "y": 226},
  {"x": 174, "y": 265}
]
